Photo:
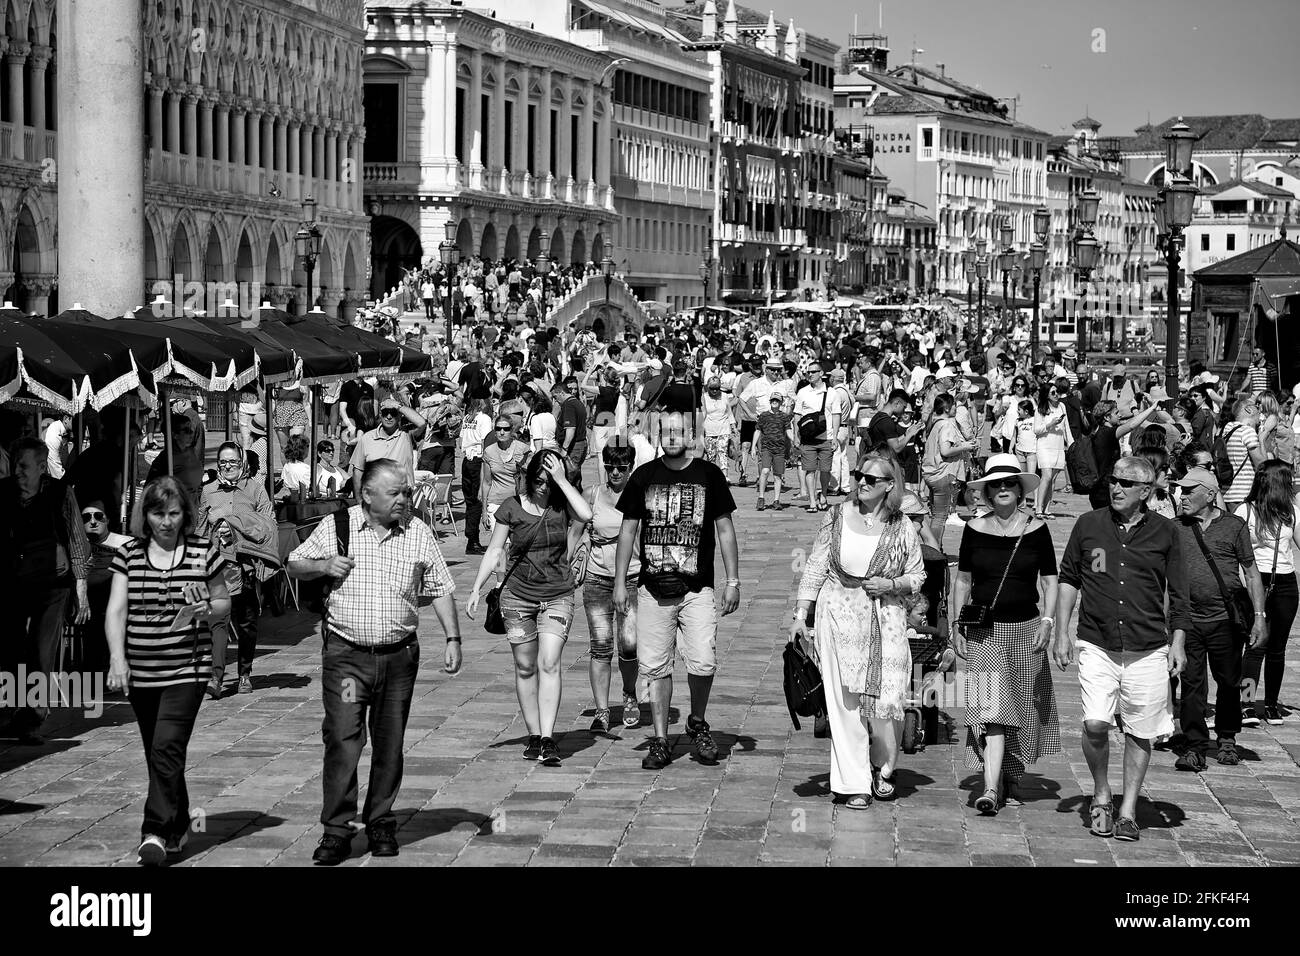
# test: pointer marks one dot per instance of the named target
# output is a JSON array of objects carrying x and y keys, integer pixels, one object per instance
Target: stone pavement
[{"x": 469, "y": 799}]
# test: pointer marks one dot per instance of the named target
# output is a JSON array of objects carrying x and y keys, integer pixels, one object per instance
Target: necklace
[
  {"x": 1005, "y": 527},
  {"x": 173, "y": 562}
]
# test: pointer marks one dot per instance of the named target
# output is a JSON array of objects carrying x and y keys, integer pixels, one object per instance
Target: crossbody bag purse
[
  {"x": 493, "y": 621},
  {"x": 981, "y": 615}
]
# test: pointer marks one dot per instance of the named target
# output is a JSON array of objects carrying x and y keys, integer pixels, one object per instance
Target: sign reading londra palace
[{"x": 893, "y": 143}]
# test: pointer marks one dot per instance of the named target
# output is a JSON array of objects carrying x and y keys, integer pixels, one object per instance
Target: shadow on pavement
[
  {"x": 815, "y": 786},
  {"x": 1151, "y": 815},
  {"x": 224, "y": 829},
  {"x": 1031, "y": 788},
  {"x": 430, "y": 823},
  {"x": 13, "y": 806}
]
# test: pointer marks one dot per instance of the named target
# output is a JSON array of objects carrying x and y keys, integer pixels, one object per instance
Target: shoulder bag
[
  {"x": 981, "y": 615},
  {"x": 813, "y": 424},
  {"x": 493, "y": 622},
  {"x": 1241, "y": 610}
]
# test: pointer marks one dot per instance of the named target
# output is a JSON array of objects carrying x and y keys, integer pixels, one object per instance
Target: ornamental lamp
[
  {"x": 982, "y": 268},
  {"x": 1085, "y": 253},
  {"x": 1042, "y": 222},
  {"x": 1088, "y": 201},
  {"x": 1178, "y": 149},
  {"x": 1007, "y": 260},
  {"x": 1008, "y": 235},
  {"x": 1037, "y": 256},
  {"x": 1180, "y": 204}
]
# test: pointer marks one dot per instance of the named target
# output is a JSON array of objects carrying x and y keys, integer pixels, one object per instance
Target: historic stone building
[
  {"x": 245, "y": 108},
  {"x": 488, "y": 124}
]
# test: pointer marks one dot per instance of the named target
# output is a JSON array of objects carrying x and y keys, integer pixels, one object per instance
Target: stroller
[{"x": 930, "y": 653}]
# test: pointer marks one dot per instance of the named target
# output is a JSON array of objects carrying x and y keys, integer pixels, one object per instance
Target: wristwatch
[{"x": 732, "y": 583}]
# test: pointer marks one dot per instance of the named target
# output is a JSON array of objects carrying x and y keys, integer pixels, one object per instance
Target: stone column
[
  {"x": 519, "y": 135},
  {"x": 39, "y": 57},
  {"x": 293, "y": 166},
  {"x": 307, "y": 157},
  {"x": 101, "y": 141},
  {"x": 543, "y": 143},
  {"x": 280, "y": 158},
  {"x": 564, "y": 146},
  {"x": 38, "y": 288},
  {"x": 238, "y": 123},
  {"x": 205, "y": 173},
  {"x": 174, "y": 120},
  {"x": 497, "y": 157},
  {"x": 353, "y": 299},
  {"x": 604, "y": 141},
  {"x": 587, "y": 148},
  {"x": 16, "y": 56},
  {"x": 318, "y": 153},
  {"x": 438, "y": 148},
  {"x": 156, "y": 117},
  {"x": 474, "y": 120}
]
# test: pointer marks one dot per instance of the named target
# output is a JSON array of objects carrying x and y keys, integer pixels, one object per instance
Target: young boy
[{"x": 775, "y": 441}]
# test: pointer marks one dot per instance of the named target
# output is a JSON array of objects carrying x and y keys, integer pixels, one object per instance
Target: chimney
[
  {"x": 943, "y": 69},
  {"x": 709, "y": 24},
  {"x": 791, "y": 43},
  {"x": 731, "y": 25}
]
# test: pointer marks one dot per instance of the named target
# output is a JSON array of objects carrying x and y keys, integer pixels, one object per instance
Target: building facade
[
  {"x": 489, "y": 124},
  {"x": 755, "y": 105},
  {"x": 248, "y": 108},
  {"x": 951, "y": 148}
]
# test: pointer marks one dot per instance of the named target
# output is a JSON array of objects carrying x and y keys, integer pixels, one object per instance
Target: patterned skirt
[{"x": 1008, "y": 683}]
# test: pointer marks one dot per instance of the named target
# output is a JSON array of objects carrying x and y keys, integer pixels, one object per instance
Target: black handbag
[
  {"x": 493, "y": 621},
  {"x": 804, "y": 694},
  {"x": 1241, "y": 609},
  {"x": 813, "y": 424},
  {"x": 981, "y": 615}
]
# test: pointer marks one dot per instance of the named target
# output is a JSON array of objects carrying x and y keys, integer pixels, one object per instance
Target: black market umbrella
[
  {"x": 71, "y": 363},
  {"x": 377, "y": 354},
  {"x": 275, "y": 361},
  {"x": 319, "y": 362}
]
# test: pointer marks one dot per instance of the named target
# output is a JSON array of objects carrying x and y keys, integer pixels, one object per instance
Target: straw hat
[
  {"x": 258, "y": 425},
  {"x": 1006, "y": 466}
]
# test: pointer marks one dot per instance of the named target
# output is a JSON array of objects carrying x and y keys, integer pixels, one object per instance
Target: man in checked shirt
[{"x": 370, "y": 653}]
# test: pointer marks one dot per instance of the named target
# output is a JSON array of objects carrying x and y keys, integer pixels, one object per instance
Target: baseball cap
[{"x": 1199, "y": 478}]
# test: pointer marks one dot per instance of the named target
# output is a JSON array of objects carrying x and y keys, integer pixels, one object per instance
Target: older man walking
[
  {"x": 1124, "y": 561},
  {"x": 379, "y": 561}
]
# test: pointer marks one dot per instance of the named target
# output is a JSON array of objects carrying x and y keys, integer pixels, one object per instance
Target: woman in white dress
[
  {"x": 717, "y": 423},
  {"x": 866, "y": 559},
  {"x": 1053, "y": 432}
]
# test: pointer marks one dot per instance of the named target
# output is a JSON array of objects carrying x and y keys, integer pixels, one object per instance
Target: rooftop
[
  {"x": 1264, "y": 189},
  {"x": 1281, "y": 257},
  {"x": 1229, "y": 132}
]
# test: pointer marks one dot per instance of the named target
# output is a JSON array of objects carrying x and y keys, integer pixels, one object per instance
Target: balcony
[
  {"x": 26, "y": 144},
  {"x": 391, "y": 175},
  {"x": 733, "y": 132}
]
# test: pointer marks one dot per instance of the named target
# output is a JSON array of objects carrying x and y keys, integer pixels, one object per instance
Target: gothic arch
[
  {"x": 488, "y": 243},
  {"x": 183, "y": 252},
  {"x": 465, "y": 238},
  {"x": 512, "y": 242},
  {"x": 352, "y": 275}
]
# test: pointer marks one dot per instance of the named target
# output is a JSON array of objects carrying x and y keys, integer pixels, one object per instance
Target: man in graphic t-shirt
[{"x": 674, "y": 510}]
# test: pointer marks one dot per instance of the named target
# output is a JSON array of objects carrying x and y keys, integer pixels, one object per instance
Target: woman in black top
[
  {"x": 1010, "y": 706},
  {"x": 1107, "y": 432}
]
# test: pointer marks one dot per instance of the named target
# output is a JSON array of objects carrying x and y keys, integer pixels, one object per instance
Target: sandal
[
  {"x": 1103, "y": 819},
  {"x": 1010, "y": 796},
  {"x": 822, "y": 503},
  {"x": 987, "y": 803},
  {"x": 882, "y": 787},
  {"x": 859, "y": 801}
]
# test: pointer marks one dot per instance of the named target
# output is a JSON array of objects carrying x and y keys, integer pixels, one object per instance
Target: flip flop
[
  {"x": 859, "y": 801},
  {"x": 882, "y": 787},
  {"x": 1103, "y": 819}
]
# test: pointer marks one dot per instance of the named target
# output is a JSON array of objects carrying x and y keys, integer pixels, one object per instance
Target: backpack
[
  {"x": 1223, "y": 469},
  {"x": 804, "y": 694},
  {"x": 1081, "y": 464}
]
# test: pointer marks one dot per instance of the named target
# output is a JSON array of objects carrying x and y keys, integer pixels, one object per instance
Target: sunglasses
[
  {"x": 618, "y": 467},
  {"x": 503, "y": 428},
  {"x": 388, "y": 413},
  {"x": 93, "y": 516},
  {"x": 1127, "y": 482},
  {"x": 871, "y": 480},
  {"x": 1004, "y": 483},
  {"x": 327, "y": 450},
  {"x": 227, "y": 464}
]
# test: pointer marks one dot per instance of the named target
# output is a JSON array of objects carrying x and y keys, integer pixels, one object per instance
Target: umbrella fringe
[
  {"x": 243, "y": 378},
  {"x": 61, "y": 402},
  {"x": 10, "y": 389},
  {"x": 114, "y": 390},
  {"x": 331, "y": 379},
  {"x": 205, "y": 382}
]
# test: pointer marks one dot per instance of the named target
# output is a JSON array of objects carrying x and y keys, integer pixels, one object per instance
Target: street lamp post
[
  {"x": 1085, "y": 251},
  {"x": 307, "y": 244},
  {"x": 1038, "y": 259},
  {"x": 1007, "y": 260},
  {"x": 706, "y": 272},
  {"x": 1173, "y": 211},
  {"x": 982, "y": 274},
  {"x": 449, "y": 252},
  {"x": 968, "y": 265},
  {"x": 544, "y": 268}
]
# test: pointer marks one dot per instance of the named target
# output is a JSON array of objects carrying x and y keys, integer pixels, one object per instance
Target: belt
[{"x": 390, "y": 648}]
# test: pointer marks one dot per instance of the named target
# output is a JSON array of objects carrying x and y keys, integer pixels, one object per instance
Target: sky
[{"x": 1121, "y": 61}]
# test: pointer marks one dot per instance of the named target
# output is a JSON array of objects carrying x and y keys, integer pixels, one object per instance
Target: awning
[
  {"x": 1271, "y": 293},
  {"x": 635, "y": 22}
]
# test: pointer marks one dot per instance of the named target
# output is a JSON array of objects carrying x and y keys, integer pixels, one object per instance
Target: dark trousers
[
  {"x": 470, "y": 470},
  {"x": 1281, "y": 610},
  {"x": 428, "y": 308},
  {"x": 575, "y": 458},
  {"x": 31, "y": 633},
  {"x": 1215, "y": 645},
  {"x": 166, "y": 717},
  {"x": 245, "y": 609},
  {"x": 363, "y": 690},
  {"x": 439, "y": 459}
]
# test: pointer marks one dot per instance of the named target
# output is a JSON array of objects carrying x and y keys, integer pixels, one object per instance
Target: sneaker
[
  {"x": 1273, "y": 715},
  {"x": 760, "y": 505},
  {"x": 1192, "y": 760},
  {"x": 152, "y": 851},
  {"x": 631, "y": 712},
  {"x": 600, "y": 724},
  {"x": 214, "y": 690},
  {"x": 1248, "y": 716},
  {"x": 697, "y": 728},
  {"x": 659, "y": 755},
  {"x": 534, "y": 748},
  {"x": 174, "y": 847},
  {"x": 550, "y": 754},
  {"x": 245, "y": 684},
  {"x": 1227, "y": 754}
]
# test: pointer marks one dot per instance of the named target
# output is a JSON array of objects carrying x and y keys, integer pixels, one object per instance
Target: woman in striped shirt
[{"x": 168, "y": 588}]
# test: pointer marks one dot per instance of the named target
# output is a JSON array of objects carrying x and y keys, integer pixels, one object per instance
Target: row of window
[
  {"x": 654, "y": 235},
  {"x": 984, "y": 144},
  {"x": 985, "y": 187},
  {"x": 662, "y": 164},
  {"x": 657, "y": 96},
  {"x": 581, "y": 167},
  {"x": 818, "y": 74}
]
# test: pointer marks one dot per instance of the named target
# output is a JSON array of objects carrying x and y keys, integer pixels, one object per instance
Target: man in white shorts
[{"x": 1124, "y": 560}]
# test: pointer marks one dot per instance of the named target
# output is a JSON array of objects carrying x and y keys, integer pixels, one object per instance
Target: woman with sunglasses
[
  {"x": 1008, "y": 413},
  {"x": 1005, "y": 556},
  {"x": 1052, "y": 432},
  {"x": 542, "y": 525},
  {"x": 867, "y": 557},
  {"x": 330, "y": 479},
  {"x": 608, "y": 628},
  {"x": 502, "y": 459}
]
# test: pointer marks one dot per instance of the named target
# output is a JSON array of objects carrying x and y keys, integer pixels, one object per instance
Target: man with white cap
[
  {"x": 1128, "y": 565},
  {"x": 388, "y": 440},
  {"x": 1218, "y": 555}
]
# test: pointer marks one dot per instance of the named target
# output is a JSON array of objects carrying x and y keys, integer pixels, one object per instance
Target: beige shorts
[
  {"x": 667, "y": 626},
  {"x": 1134, "y": 684}
]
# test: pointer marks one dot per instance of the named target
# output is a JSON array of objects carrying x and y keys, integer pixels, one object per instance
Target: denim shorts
[
  {"x": 525, "y": 620},
  {"x": 605, "y": 625}
]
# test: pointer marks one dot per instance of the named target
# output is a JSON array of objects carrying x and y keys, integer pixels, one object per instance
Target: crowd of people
[{"x": 1185, "y": 568}]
